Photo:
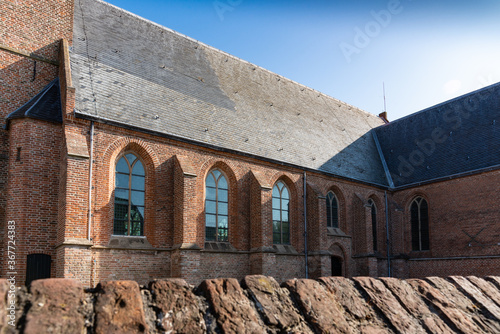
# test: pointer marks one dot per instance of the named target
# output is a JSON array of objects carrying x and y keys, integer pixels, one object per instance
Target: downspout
[
  {"x": 305, "y": 222},
  {"x": 90, "y": 178},
  {"x": 387, "y": 235}
]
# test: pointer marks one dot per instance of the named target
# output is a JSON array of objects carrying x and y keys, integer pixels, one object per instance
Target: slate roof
[
  {"x": 456, "y": 137},
  {"x": 46, "y": 105},
  {"x": 130, "y": 71}
]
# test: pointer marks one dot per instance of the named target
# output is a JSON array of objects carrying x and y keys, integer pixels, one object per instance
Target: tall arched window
[
  {"x": 373, "y": 208},
  {"x": 419, "y": 212},
  {"x": 129, "y": 196},
  {"x": 216, "y": 207},
  {"x": 332, "y": 210},
  {"x": 281, "y": 222}
]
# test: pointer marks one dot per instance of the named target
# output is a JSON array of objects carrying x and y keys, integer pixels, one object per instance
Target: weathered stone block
[
  {"x": 385, "y": 301},
  {"x": 235, "y": 313},
  {"x": 359, "y": 313},
  {"x": 416, "y": 306},
  {"x": 56, "y": 307},
  {"x": 119, "y": 309},
  {"x": 319, "y": 306},
  {"x": 275, "y": 305},
  {"x": 179, "y": 306}
]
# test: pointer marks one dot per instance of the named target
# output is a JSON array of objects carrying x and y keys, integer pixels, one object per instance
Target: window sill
[
  {"x": 336, "y": 231},
  {"x": 129, "y": 242},
  {"x": 285, "y": 249},
  {"x": 218, "y": 246}
]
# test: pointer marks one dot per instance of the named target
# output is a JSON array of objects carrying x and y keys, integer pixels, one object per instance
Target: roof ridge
[
  {"x": 460, "y": 97},
  {"x": 202, "y": 44}
]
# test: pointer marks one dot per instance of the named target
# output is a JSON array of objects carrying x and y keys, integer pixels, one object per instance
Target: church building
[{"x": 130, "y": 151}]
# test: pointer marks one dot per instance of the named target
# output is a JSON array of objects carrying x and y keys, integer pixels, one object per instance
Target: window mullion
[
  {"x": 129, "y": 199},
  {"x": 419, "y": 227},
  {"x": 216, "y": 209}
]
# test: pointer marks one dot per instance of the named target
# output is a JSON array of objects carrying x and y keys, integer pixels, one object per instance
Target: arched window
[
  {"x": 216, "y": 207},
  {"x": 129, "y": 196},
  {"x": 374, "y": 223},
  {"x": 281, "y": 222},
  {"x": 332, "y": 210},
  {"x": 419, "y": 224}
]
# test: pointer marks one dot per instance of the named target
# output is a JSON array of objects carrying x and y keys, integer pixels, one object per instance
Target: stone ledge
[
  {"x": 129, "y": 242},
  {"x": 76, "y": 242}
]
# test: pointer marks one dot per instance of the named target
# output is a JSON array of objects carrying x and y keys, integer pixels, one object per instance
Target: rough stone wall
[{"x": 256, "y": 304}]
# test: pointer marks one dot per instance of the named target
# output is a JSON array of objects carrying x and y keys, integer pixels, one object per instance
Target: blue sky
[{"x": 425, "y": 51}]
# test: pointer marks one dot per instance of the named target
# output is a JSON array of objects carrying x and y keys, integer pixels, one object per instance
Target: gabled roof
[
  {"x": 456, "y": 137},
  {"x": 46, "y": 105},
  {"x": 130, "y": 71}
]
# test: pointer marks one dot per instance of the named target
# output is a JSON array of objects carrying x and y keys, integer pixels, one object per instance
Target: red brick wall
[
  {"x": 136, "y": 265},
  {"x": 458, "y": 210},
  {"x": 32, "y": 200},
  {"x": 34, "y": 28},
  {"x": 175, "y": 183}
]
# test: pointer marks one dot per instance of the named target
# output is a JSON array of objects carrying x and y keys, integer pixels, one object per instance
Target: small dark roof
[
  {"x": 46, "y": 105},
  {"x": 456, "y": 137},
  {"x": 130, "y": 71}
]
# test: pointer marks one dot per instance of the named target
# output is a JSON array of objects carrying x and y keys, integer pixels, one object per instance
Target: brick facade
[{"x": 45, "y": 171}]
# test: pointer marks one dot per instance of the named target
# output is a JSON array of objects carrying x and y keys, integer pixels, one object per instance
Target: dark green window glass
[
  {"x": 280, "y": 214},
  {"x": 374, "y": 224},
  {"x": 129, "y": 196},
  {"x": 419, "y": 216},
  {"x": 332, "y": 210},
  {"x": 216, "y": 207}
]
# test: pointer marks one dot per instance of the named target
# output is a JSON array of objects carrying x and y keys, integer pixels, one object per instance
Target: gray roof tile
[
  {"x": 459, "y": 136},
  {"x": 132, "y": 71}
]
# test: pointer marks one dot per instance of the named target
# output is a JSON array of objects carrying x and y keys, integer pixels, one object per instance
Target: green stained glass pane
[
  {"x": 136, "y": 228},
  {"x": 223, "y": 222},
  {"x": 122, "y": 166}
]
